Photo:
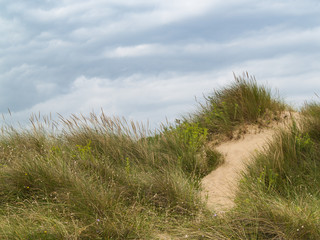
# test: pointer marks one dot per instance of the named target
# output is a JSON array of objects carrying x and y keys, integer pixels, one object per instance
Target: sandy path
[{"x": 221, "y": 184}]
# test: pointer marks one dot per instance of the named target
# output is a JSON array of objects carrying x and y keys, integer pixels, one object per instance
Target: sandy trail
[{"x": 221, "y": 184}]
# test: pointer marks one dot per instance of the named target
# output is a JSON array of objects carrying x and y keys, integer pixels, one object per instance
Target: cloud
[
  {"x": 111, "y": 17},
  {"x": 138, "y": 97},
  {"x": 148, "y": 59},
  {"x": 274, "y": 40},
  {"x": 138, "y": 50},
  {"x": 294, "y": 75}
]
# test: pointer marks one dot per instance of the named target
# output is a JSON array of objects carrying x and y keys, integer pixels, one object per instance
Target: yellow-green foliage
[{"x": 187, "y": 141}]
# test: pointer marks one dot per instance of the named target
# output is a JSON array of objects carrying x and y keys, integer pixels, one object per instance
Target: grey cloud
[{"x": 47, "y": 45}]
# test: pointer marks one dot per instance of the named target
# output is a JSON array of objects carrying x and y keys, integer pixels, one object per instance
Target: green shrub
[{"x": 187, "y": 141}]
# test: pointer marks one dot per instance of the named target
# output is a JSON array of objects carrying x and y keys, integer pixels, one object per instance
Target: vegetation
[
  {"x": 279, "y": 196},
  {"x": 243, "y": 102},
  {"x": 99, "y": 178},
  {"x": 103, "y": 178}
]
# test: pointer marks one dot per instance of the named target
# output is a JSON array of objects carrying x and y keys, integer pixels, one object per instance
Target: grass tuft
[{"x": 243, "y": 102}]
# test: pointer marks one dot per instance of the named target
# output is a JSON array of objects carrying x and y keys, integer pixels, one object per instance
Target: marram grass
[
  {"x": 99, "y": 178},
  {"x": 106, "y": 178}
]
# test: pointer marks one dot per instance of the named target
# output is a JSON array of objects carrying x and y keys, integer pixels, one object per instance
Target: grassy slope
[
  {"x": 279, "y": 197},
  {"x": 103, "y": 178},
  {"x": 100, "y": 178}
]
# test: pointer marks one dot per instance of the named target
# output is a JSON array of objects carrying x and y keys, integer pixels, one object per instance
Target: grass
[
  {"x": 99, "y": 178},
  {"x": 243, "y": 102},
  {"x": 279, "y": 196},
  {"x": 106, "y": 178}
]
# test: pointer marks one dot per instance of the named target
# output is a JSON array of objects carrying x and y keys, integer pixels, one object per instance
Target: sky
[{"x": 148, "y": 60}]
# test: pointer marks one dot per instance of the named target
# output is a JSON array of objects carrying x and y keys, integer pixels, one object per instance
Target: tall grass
[
  {"x": 282, "y": 186},
  {"x": 106, "y": 178},
  {"x": 279, "y": 196},
  {"x": 243, "y": 102},
  {"x": 99, "y": 178}
]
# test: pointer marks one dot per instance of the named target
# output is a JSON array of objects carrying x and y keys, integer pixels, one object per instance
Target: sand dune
[{"x": 219, "y": 187}]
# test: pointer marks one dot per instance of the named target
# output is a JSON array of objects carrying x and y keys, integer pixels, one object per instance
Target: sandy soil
[{"x": 219, "y": 187}]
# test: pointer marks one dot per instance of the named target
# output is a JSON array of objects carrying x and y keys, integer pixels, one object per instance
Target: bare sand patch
[{"x": 219, "y": 187}]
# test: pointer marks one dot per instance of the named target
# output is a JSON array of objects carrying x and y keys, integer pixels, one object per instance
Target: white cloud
[
  {"x": 138, "y": 97},
  {"x": 138, "y": 51},
  {"x": 112, "y": 17},
  {"x": 276, "y": 40},
  {"x": 272, "y": 39},
  {"x": 170, "y": 95},
  {"x": 294, "y": 75},
  {"x": 45, "y": 88},
  {"x": 80, "y": 12}
]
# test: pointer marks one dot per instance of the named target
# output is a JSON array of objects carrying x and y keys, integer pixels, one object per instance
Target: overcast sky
[{"x": 149, "y": 59}]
